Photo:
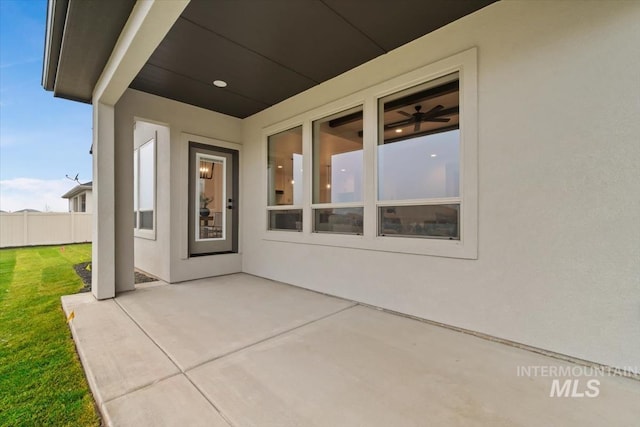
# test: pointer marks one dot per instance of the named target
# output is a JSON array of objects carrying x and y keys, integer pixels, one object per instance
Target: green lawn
[{"x": 41, "y": 379}]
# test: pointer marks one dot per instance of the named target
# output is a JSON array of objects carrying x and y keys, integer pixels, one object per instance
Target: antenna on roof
[{"x": 74, "y": 179}]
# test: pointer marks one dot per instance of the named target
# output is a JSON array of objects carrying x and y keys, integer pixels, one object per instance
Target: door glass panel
[{"x": 210, "y": 198}]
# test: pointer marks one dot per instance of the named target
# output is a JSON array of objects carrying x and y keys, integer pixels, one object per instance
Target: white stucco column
[
  {"x": 123, "y": 204},
  {"x": 112, "y": 252},
  {"x": 104, "y": 245}
]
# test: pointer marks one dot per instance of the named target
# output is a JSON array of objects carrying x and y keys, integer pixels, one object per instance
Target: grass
[{"x": 41, "y": 379}]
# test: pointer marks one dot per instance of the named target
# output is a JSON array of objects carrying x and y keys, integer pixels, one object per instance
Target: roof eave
[
  {"x": 56, "y": 19},
  {"x": 76, "y": 190}
]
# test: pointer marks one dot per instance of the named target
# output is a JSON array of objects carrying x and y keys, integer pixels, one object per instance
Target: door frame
[{"x": 235, "y": 195}]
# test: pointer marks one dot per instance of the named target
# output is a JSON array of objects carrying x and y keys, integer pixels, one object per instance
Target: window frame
[
  {"x": 283, "y": 127},
  {"x": 335, "y": 205},
  {"x": 424, "y": 201},
  {"x": 465, "y": 64},
  {"x": 145, "y": 233}
]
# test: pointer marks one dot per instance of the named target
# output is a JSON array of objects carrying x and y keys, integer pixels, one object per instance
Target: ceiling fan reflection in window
[{"x": 433, "y": 115}]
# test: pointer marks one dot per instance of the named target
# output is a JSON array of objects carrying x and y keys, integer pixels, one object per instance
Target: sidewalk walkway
[{"x": 239, "y": 350}]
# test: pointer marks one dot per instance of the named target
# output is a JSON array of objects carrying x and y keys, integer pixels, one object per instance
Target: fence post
[
  {"x": 25, "y": 228},
  {"x": 73, "y": 227}
]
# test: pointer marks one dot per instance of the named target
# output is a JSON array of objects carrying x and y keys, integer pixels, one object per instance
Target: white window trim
[
  {"x": 273, "y": 130},
  {"x": 465, "y": 63},
  {"x": 139, "y": 232}
]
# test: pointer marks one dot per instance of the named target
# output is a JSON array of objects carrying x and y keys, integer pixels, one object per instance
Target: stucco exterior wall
[
  {"x": 152, "y": 249},
  {"x": 166, "y": 256},
  {"x": 558, "y": 149}
]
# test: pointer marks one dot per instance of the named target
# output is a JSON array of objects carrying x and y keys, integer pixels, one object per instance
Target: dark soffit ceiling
[{"x": 268, "y": 51}]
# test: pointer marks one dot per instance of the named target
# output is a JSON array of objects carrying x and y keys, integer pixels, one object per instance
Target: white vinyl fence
[{"x": 44, "y": 228}]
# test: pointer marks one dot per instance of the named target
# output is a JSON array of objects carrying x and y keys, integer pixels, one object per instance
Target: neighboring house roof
[
  {"x": 77, "y": 190},
  {"x": 27, "y": 210},
  {"x": 269, "y": 50}
]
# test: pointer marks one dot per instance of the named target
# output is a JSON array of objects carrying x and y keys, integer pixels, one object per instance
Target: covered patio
[
  {"x": 239, "y": 350},
  {"x": 467, "y": 164}
]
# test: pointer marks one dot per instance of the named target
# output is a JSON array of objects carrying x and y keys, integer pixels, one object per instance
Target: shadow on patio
[{"x": 244, "y": 351}]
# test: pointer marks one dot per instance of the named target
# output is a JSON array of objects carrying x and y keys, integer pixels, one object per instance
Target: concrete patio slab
[
  {"x": 198, "y": 321},
  {"x": 171, "y": 402},
  {"x": 275, "y": 355},
  {"x": 365, "y": 367},
  {"x": 117, "y": 355}
]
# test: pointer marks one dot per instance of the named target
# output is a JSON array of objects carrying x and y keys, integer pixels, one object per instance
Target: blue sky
[{"x": 42, "y": 138}]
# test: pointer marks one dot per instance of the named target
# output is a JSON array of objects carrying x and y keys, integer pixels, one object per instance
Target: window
[
  {"x": 285, "y": 187},
  {"x": 419, "y": 161},
  {"x": 392, "y": 167},
  {"x": 136, "y": 158},
  {"x": 337, "y": 173},
  {"x": 83, "y": 203},
  {"x": 144, "y": 187}
]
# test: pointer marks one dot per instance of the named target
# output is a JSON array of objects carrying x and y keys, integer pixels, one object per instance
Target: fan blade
[
  {"x": 404, "y": 113},
  {"x": 434, "y": 110},
  {"x": 398, "y": 124},
  {"x": 417, "y": 126},
  {"x": 436, "y": 120}
]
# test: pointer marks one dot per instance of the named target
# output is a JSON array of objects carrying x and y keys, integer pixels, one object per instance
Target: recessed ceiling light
[
  {"x": 220, "y": 83},
  {"x": 398, "y": 130},
  {"x": 434, "y": 155},
  {"x": 279, "y": 166},
  {"x": 343, "y": 170}
]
